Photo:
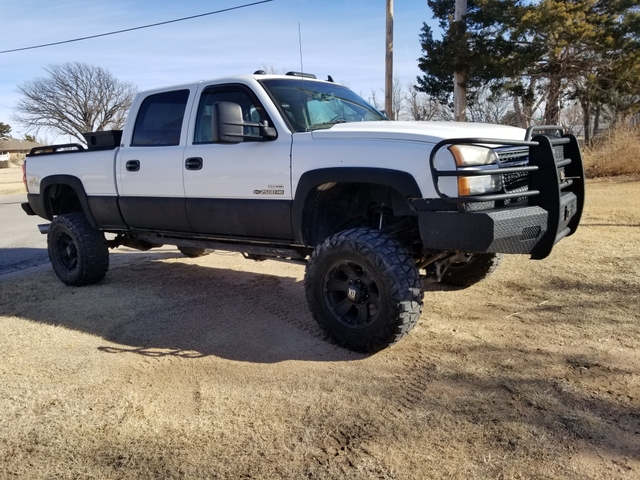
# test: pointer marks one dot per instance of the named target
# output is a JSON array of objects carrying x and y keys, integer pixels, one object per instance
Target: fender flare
[
  {"x": 402, "y": 182},
  {"x": 75, "y": 183}
]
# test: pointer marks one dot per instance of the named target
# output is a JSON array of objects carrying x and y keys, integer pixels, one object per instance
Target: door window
[{"x": 252, "y": 111}]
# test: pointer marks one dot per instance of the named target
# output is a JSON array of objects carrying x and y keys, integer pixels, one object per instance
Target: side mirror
[
  {"x": 228, "y": 126},
  {"x": 226, "y": 123}
]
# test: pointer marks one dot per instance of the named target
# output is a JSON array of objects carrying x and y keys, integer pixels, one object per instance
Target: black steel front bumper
[{"x": 547, "y": 211}]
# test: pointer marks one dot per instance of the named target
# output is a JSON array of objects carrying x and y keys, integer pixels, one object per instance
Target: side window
[
  {"x": 159, "y": 120},
  {"x": 252, "y": 111}
]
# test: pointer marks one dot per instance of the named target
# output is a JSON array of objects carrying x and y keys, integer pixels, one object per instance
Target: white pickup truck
[{"x": 290, "y": 167}]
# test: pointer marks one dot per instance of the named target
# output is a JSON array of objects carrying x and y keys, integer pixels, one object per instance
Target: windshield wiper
[{"x": 318, "y": 126}]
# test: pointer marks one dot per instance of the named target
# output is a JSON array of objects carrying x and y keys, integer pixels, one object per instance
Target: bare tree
[
  {"x": 397, "y": 100},
  {"x": 571, "y": 118},
  {"x": 374, "y": 101},
  {"x": 488, "y": 107},
  {"x": 271, "y": 70},
  {"x": 420, "y": 106},
  {"x": 75, "y": 98},
  {"x": 397, "y": 95}
]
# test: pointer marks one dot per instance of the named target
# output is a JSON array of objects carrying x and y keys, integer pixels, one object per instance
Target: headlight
[
  {"x": 479, "y": 185},
  {"x": 472, "y": 155}
]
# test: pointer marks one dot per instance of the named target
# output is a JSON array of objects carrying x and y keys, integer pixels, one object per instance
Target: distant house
[{"x": 13, "y": 151}]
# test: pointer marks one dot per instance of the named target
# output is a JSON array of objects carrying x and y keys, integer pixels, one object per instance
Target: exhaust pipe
[{"x": 44, "y": 228}]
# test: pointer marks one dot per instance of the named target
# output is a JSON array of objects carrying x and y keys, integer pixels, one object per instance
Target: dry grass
[
  {"x": 212, "y": 368},
  {"x": 613, "y": 153},
  {"x": 11, "y": 181}
]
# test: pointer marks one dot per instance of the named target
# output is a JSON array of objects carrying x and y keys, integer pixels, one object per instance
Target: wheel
[
  {"x": 78, "y": 252},
  {"x": 478, "y": 267},
  {"x": 193, "y": 252},
  {"x": 363, "y": 289}
]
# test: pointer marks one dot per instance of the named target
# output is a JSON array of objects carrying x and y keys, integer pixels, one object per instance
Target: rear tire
[
  {"x": 363, "y": 289},
  {"x": 479, "y": 267},
  {"x": 193, "y": 252},
  {"x": 78, "y": 252}
]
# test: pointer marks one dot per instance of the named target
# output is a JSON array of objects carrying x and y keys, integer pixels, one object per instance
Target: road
[{"x": 22, "y": 247}]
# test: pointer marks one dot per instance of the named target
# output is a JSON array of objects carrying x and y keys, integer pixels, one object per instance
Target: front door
[{"x": 241, "y": 189}]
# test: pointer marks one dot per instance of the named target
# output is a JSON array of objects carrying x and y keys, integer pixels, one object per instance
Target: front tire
[
  {"x": 78, "y": 252},
  {"x": 363, "y": 289},
  {"x": 193, "y": 252},
  {"x": 478, "y": 267}
]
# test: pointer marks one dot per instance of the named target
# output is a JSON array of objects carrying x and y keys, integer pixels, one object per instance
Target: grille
[
  {"x": 530, "y": 233},
  {"x": 515, "y": 182},
  {"x": 514, "y": 157},
  {"x": 507, "y": 155}
]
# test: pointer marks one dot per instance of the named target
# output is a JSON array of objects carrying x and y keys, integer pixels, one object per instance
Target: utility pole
[
  {"x": 388, "y": 79},
  {"x": 459, "y": 90}
]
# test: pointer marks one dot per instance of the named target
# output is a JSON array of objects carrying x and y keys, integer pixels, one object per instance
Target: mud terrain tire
[
  {"x": 363, "y": 289},
  {"x": 479, "y": 267},
  {"x": 193, "y": 252},
  {"x": 78, "y": 252}
]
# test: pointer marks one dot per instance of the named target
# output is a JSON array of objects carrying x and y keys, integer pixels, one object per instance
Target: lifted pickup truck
[{"x": 290, "y": 167}]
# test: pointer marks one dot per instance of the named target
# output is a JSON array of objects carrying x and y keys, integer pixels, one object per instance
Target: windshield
[{"x": 311, "y": 105}]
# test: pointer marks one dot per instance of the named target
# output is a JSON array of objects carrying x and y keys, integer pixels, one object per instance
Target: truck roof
[{"x": 242, "y": 78}]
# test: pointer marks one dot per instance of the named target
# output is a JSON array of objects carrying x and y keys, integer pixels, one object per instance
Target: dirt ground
[{"x": 213, "y": 368}]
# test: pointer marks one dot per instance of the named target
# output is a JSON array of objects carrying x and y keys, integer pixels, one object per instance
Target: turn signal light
[{"x": 479, "y": 185}]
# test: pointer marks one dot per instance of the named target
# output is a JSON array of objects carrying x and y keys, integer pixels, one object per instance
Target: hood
[{"x": 430, "y": 132}]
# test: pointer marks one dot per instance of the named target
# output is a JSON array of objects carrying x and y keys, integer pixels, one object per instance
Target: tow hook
[{"x": 44, "y": 228}]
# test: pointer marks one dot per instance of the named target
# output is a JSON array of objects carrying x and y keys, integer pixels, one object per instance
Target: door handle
[
  {"x": 193, "y": 163},
  {"x": 132, "y": 165}
]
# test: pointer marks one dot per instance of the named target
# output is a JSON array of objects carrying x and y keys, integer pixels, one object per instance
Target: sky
[{"x": 341, "y": 38}]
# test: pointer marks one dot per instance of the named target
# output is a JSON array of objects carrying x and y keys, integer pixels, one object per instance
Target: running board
[{"x": 252, "y": 249}]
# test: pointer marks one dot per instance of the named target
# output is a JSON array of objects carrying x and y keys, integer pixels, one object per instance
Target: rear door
[
  {"x": 242, "y": 189},
  {"x": 149, "y": 166}
]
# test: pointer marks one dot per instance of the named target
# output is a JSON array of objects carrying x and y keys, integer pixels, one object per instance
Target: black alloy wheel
[
  {"x": 352, "y": 294},
  {"x": 363, "y": 289}
]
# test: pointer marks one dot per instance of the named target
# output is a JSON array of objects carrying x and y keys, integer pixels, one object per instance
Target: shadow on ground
[
  {"x": 16, "y": 259},
  {"x": 154, "y": 308}
]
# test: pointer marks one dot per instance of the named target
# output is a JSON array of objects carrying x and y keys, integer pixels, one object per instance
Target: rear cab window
[{"x": 160, "y": 118}]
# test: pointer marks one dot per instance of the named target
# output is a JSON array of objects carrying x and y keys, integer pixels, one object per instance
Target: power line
[{"x": 135, "y": 28}]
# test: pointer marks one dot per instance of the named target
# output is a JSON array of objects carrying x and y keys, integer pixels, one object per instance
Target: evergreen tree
[
  {"x": 481, "y": 47},
  {"x": 5, "y": 130},
  {"x": 551, "y": 49}
]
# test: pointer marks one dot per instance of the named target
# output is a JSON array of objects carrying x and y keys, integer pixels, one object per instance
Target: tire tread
[
  {"x": 91, "y": 244},
  {"x": 477, "y": 270},
  {"x": 392, "y": 260}
]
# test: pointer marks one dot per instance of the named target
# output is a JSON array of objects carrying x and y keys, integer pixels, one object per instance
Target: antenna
[{"x": 300, "y": 44}]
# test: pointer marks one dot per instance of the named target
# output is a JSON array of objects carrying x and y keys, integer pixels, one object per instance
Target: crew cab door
[
  {"x": 149, "y": 166},
  {"x": 241, "y": 189}
]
